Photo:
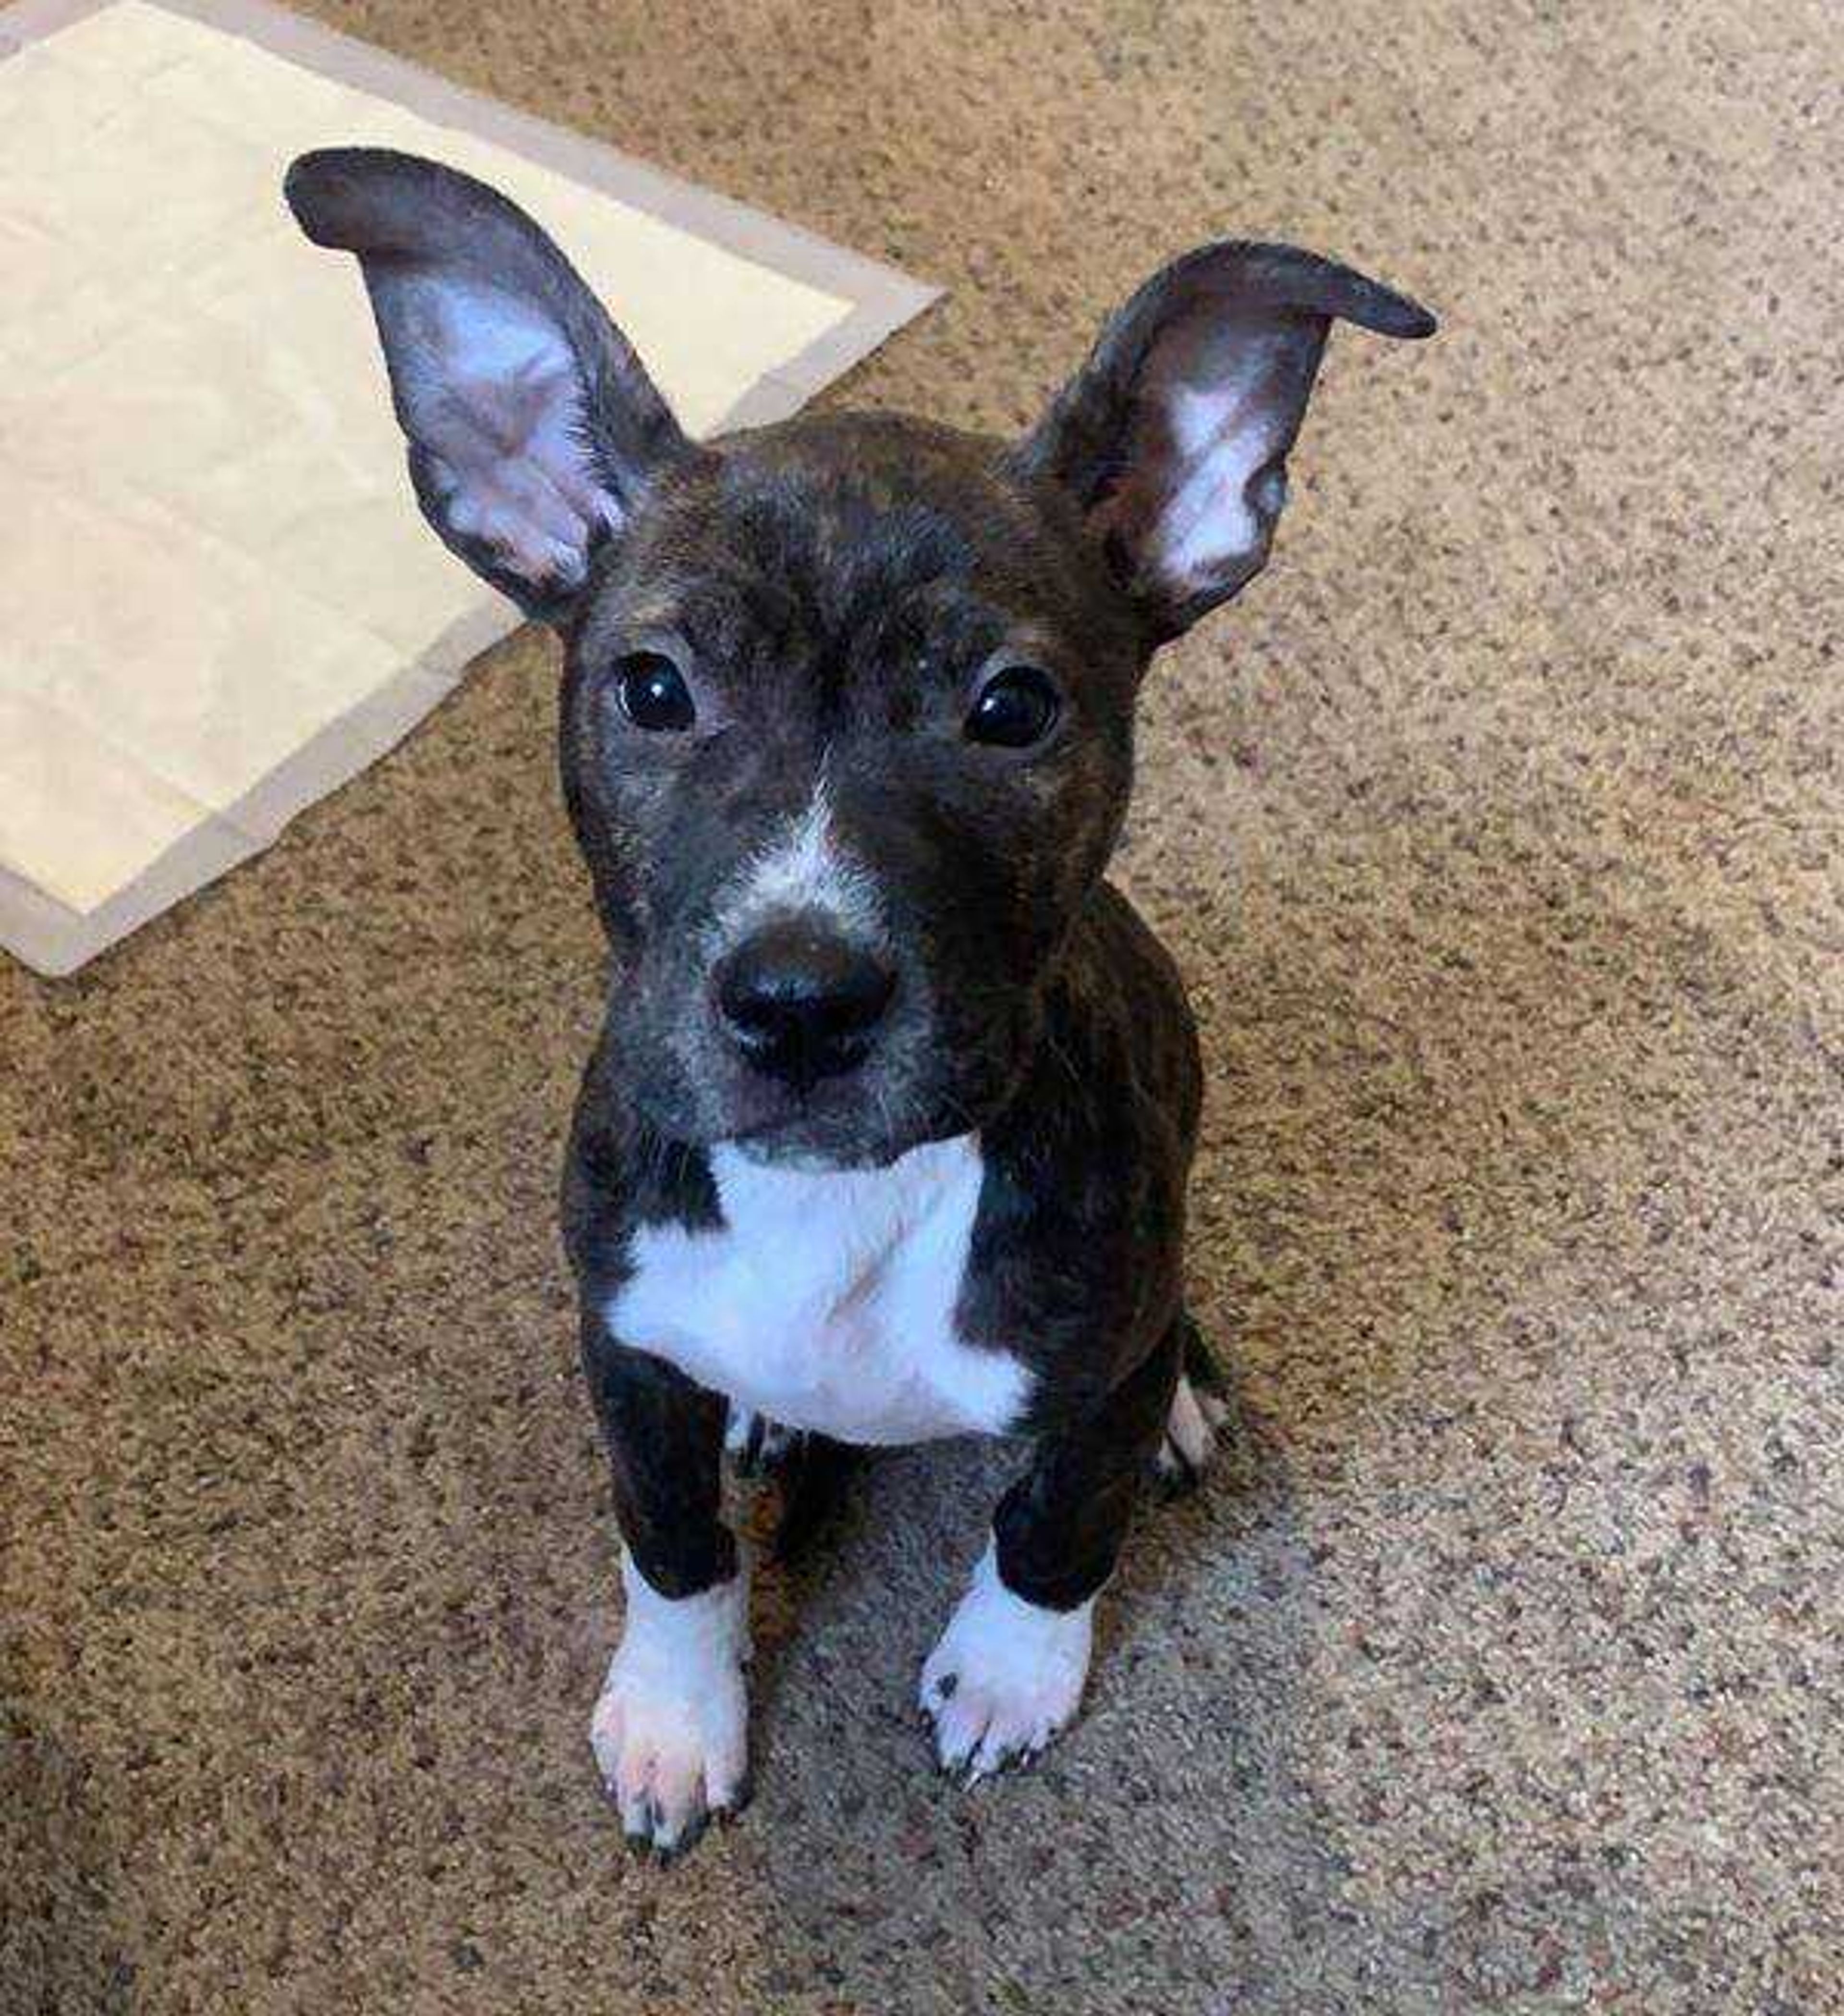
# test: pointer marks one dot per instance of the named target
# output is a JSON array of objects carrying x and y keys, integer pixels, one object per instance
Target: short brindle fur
[{"x": 847, "y": 742}]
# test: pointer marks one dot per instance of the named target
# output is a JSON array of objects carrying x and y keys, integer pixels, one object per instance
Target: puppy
[{"x": 887, "y": 1134}]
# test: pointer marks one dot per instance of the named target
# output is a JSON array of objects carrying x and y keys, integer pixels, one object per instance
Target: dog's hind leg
[
  {"x": 814, "y": 1478},
  {"x": 1200, "y": 1406},
  {"x": 811, "y": 1470}
]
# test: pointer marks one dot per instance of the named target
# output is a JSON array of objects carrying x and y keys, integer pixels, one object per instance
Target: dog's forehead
[
  {"x": 833, "y": 524},
  {"x": 845, "y": 494}
]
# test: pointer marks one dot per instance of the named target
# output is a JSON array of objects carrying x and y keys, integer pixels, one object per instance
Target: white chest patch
[{"x": 826, "y": 1300}]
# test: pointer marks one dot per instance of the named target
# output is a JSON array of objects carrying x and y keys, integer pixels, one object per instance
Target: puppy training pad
[{"x": 219, "y": 599}]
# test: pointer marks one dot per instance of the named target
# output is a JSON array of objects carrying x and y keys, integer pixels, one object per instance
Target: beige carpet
[{"x": 1499, "y": 833}]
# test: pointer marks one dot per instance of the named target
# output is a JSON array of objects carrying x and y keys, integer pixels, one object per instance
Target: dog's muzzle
[{"x": 800, "y": 1002}]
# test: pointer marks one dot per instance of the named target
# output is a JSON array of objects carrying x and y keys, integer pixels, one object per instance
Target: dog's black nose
[{"x": 800, "y": 1002}]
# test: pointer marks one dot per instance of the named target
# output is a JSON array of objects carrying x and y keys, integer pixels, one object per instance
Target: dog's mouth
[
  {"x": 828, "y": 1134},
  {"x": 786, "y": 1150},
  {"x": 920, "y": 1081},
  {"x": 864, "y": 1116}
]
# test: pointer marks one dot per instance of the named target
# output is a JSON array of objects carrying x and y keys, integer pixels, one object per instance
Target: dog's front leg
[
  {"x": 1007, "y": 1673},
  {"x": 670, "y": 1728}
]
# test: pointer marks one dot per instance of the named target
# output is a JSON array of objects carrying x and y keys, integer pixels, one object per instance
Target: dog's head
[{"x": 849, "y": 707}]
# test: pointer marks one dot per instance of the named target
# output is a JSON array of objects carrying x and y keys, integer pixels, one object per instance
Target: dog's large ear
[
  {"x": 533, "y": 427},
  {"x": 1173, "y": 438}
]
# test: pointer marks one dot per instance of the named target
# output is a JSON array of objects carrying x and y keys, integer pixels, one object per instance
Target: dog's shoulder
[{"x": 1077, "y": 1248}]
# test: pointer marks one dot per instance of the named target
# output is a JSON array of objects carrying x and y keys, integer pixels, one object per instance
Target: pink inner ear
[
  {"x": 493, "y": 394},
  {"x": 1216, "y": 421}
]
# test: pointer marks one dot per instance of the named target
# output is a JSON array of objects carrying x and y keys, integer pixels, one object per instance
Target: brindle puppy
[{"x": 887, "y": 1131}]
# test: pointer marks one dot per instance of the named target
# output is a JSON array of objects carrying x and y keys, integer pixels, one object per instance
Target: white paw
[
  {"x": 1190, "y": 1435},
  {"x": 1005, "y": 1677},
  {"x": 670, "y": 1728},
  {"x": 754, "y": 1442}
]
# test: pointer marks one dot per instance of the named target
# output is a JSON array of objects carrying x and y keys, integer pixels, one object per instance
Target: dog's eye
[
  {"x": 653, "y": 694},
  {"x": 1016, "y": 707}
]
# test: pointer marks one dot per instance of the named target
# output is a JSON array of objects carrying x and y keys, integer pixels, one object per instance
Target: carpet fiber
[{"x": 1498, "y": 833}]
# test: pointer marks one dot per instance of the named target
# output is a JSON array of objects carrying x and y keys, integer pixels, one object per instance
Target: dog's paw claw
[
  {"x": 674, "y": 1848},
  {"x": 1006, "y": 1677},
  {"x": 670, "y": 1730}
]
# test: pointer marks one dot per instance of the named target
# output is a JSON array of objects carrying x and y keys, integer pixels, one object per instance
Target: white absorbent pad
[{"x": 218, "y": 600}]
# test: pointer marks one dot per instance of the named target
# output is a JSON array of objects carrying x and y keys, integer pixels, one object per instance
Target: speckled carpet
[{"x": 1498, "y": 831}]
